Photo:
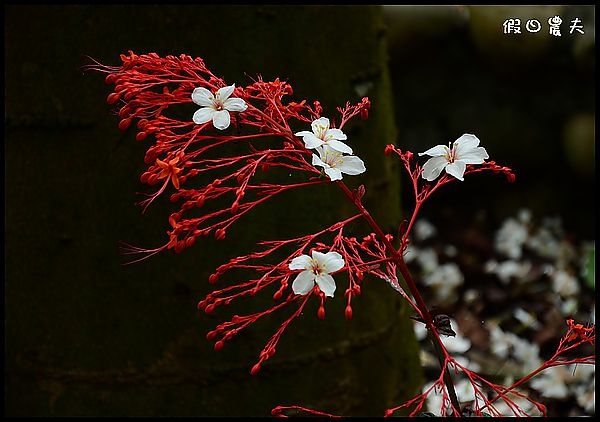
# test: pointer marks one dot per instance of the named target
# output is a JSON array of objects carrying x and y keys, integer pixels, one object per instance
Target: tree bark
[{"x": 86, "y": 335}]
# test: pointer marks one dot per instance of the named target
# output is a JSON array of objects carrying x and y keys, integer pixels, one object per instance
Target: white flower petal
[
  {"x": 316, "y": 161},
  {"x": 318, "y": 125},
  {"x": 221, "y": 119},
  {"x": 235, "y": 104},
  {"x": 435, "y": 151},
  {"x": 339, "y": 146},
  {"x": 334, "y": 174},
  {"x": 456, "y": 169},
  {"x": 225, "y": 92},
  {"x": 311, "y": 141},
  {"x": 326, "y": 284},
  {"x": 433, "y": 167},
  {"x": 331, "y": 261},
  {"x": 303, "y": 133},
  {"x": 203, "y": 115},
  {"x": 303, "y": 283},
  {"x": 465, "y": 143},
  {"x": 301, "y": 262},
  {"x": 202, "y": 97},
  {"x": 474, "y": 156},
  {"x": 336, "y": 134},
  {"x": 351, "y": 165}
]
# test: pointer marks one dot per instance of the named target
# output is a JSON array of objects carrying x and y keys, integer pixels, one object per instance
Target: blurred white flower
[
  {"x": 510, "y": 238},
  {"x": 586, "y": 395},
  {"x": 508, "y": 269},
  {"x": 564, "y": 283},
  {"x": 423, "y": 230},
  {"x": 450, "y": 250},
  {"x": 464, "y": 392},
  {"x": 505, "y": 344},
  {"x": 527, "y": 353},
  {"x": 527, "y": 318},
  {"x": 410, "y": 253},
  {"x": 551, "y": 382},
  {"x": 458, "y": 343},
  {"x": 444, "y": 280},
  {"x": 524, "y": 404},
  {"x": 420, "y": 330},
  {"x": 567, "y": 307},
  {"x": 544, "y": 243},
  {"x": 427, "y": 259},
  {"x": 471, "y": 295},
  {"x": 469, "y": 364},
  {"x": 524, "y": 216}
]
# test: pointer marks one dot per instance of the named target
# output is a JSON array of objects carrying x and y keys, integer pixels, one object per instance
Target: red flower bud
[
  {"x": 113, "y": 98},
  {"x": 321, "y": 313},
  {"x": 124, "y": 124},
  {"x": 219, "y": 346},
  {"x": 348, "y": 313},
  {"x": 213, "y": 278},
  {"x": 255, "y": 369},
  {"x": 110, "y": 78},
  {"x": 141, "y": 136},
  {"x": 220, "y": 234},
  {"x": 189, "y": 242}
]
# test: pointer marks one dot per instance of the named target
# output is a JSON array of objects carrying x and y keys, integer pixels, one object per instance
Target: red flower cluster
[{"x": 154, "y": 91}]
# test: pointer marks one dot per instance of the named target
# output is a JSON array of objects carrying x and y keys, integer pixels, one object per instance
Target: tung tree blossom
[
  {"x": 216, "y": 107},
  {"x": 322, "y": 135},
  {"x": 335, "y": 163},
  {"x": 454, "y": 159},
  {"x": 317, "y": 269}
]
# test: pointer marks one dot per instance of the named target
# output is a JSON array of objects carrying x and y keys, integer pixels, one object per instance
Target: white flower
[
  {"x": 564, "y": 283},
  {"x": 551, "y": 382},
  {"x": 424, "y": 230},
  {"x": 335, "y": 163},
  {"x": 444, "y": 280},
  {"x": 464, "y": 150},
  {"x": 458, "y": 343},
  {"x": 322, "y": 135},
  {"x": 511, "y": 237},
  {"x": 316, "y": 269},
  {"x": 216, "y": 107},
  {"x": 526, "y": 318},
  {"x": 508, "y": 269}
]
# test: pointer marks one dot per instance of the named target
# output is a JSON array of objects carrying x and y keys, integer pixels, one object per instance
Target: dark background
[{"x": 88, "y": 336}]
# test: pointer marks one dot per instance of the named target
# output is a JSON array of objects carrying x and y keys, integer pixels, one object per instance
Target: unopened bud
[
  {"x": 220, "y": 234},
  {"x": 213, "y": 278},
  {"x": 110, "y": 79},
  {"x": 113, "y": 98},
  {"x": 321, "y": 313},
  {"x": 219, "y": 346},
  {"x": 124, "y": 124},
  {"x": 255, "y": 369},
  {"x": 348, "y": 313}
]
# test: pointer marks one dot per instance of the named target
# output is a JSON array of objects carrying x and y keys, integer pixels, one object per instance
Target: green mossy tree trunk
[{"x": 86, "y": 335}]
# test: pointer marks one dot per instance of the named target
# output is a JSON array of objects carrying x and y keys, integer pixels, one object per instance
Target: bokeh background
[{"x": 85, "y": 335}]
